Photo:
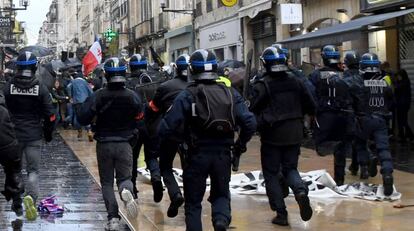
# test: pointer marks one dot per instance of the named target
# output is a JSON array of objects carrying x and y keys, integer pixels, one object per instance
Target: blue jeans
[
  {"x": 273, "y": 158},
  {"x": 375, "y": 128}
]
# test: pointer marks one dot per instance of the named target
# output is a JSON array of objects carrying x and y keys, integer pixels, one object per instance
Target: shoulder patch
[{"x": 33, "y": 91}]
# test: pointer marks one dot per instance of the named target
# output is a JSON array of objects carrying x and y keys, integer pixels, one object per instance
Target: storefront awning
[
  {"x": 254, "y": 9},
  {"x": 341, "y": 32}
]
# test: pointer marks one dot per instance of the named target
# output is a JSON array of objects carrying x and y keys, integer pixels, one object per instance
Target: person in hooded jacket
[
  {"x": 138, "y": 65},
  {"x": 161, "y": 104},
  {"x": 31, "y": 109},
  {"x": 11, "y": 160}
]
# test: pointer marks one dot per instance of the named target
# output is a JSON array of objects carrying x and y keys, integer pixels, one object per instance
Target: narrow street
[{"x": 63, "y": 175}]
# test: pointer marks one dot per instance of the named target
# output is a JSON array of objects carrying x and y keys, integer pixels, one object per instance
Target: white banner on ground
[{"x": 320, "y": 184}]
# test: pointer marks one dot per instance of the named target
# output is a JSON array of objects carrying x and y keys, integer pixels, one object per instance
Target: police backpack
[
  {"x": 212, "y": 110},
  {"x": 332, "y": 92}
]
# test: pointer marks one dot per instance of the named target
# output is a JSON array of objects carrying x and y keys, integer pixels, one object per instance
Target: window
[
  {"x": 199, "y": 11},
  {"x": 146, "y": 10},
  {"x": 209, "y": 6}
]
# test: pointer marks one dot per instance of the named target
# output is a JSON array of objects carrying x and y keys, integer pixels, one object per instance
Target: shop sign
[
  {"x": 218, "y": 35},
  {"x": 291, "y": 13},
  {"x": 229, "y": 3},
  {"x": 5, "y": 22},
  {"x": 371, "y": 5}
]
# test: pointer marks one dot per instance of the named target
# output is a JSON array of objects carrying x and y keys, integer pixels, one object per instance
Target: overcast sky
[{"x": 34, "y": 17}]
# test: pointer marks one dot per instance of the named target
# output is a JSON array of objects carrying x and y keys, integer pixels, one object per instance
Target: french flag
[{"x": 92, "y": 59}]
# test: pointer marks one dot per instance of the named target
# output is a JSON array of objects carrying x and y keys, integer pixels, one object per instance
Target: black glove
[{"x": 238, "y": 149}]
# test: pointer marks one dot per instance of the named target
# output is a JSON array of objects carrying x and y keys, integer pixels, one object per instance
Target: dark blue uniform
[
  {"x": 334, "y": 119},
  {"x": 279, "y": 102},
  {"x": 374, "y": 110},
  {"x": 210, "y": 156}
]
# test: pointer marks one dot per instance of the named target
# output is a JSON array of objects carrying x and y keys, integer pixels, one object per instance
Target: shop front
[
  {"x": 224, "y": 38},
  {"x": 179, "y": 41}
]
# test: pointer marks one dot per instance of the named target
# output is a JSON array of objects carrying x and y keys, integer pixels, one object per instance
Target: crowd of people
[{"x": 202, "y": 117}]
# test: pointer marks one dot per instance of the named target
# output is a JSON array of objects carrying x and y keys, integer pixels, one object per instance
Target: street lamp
[{"x": 191, "y": 12}]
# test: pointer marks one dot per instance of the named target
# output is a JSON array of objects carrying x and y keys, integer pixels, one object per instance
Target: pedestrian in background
[
  {"x": 78, "y": 90},
  {"x": 402, "y": 94}
]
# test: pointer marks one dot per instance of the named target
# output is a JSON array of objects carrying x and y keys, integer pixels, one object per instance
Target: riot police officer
[
  {"x": 353, "y": 78},
  {"x": 334, "y": 119},
  {"x": 161, "y": 103},
  {"x": 138, "y": 65},
  {"x": 117, "y": 111},
  {"x": 31, "y": 109},
  {"x": 373, "y": 111},
  {"x": 279, "y": 101},
  {"x": 209, "y": 136}
]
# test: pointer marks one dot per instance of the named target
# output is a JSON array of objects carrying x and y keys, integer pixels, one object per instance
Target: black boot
[
  {"x": 364, "y": 172},
  {"x": 304, "y": 206},
  {"x": 157, "y": 188},
  {"x": 373, "y": 171},
  {"x": 280, "y": 219},
  {"x": 388, "y": 182},
  {"x": 353, "y": 168},
  {"x": 339, "y": 180},
  {"x": 220, "y": 225},
  {"x": 176, "y": 202}
]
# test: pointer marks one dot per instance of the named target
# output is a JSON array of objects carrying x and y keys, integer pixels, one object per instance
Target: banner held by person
[{"x": 92, "y": 59}]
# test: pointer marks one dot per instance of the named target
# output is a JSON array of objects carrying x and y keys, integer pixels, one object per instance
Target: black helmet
[
  {"x": 274, "y": 59},
  {"x": 26, "y": 64},
  {"x": 330, "y": 55},
  {"x": 203, "y": 65},
  {"x": 182, "y": 64},
  {"x": 138, "y": 62},
  {"x": 369, "y": 64},
  {"x": 115, "y": 70},
  {"x": 351, "y": 59}
]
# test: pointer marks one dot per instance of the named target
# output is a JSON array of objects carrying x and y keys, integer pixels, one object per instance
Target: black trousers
[
  {"x": 168, "y": 151},
  {"x": 404, "y": 129},
  {"x": 114, "y": 159},
  {"x": 216, "y": 163},
  {"x": 273, "y": 158},
  {"x": 150, "y": 152},
  {"x": 11, "y": 160}
]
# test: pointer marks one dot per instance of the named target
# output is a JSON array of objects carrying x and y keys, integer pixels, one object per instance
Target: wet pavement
[
  {"x": 253, "y": 212},
  {"x": 63, "y": 175}
]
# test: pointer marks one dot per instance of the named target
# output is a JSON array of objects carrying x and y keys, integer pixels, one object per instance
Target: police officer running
[
  {"x": 334, "y": 120},
  {"x": 116, "y": 112},
  {"x": 209, "y": 112},
  {"x": 373, "y": 111},
  {"x": 32, "y": 112},
  {"x": 138, "y": 65},
  {"x": 161, "y": 103},
  {"x": 353, "y": 78},
  {"x": 279, "y": 101}
]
